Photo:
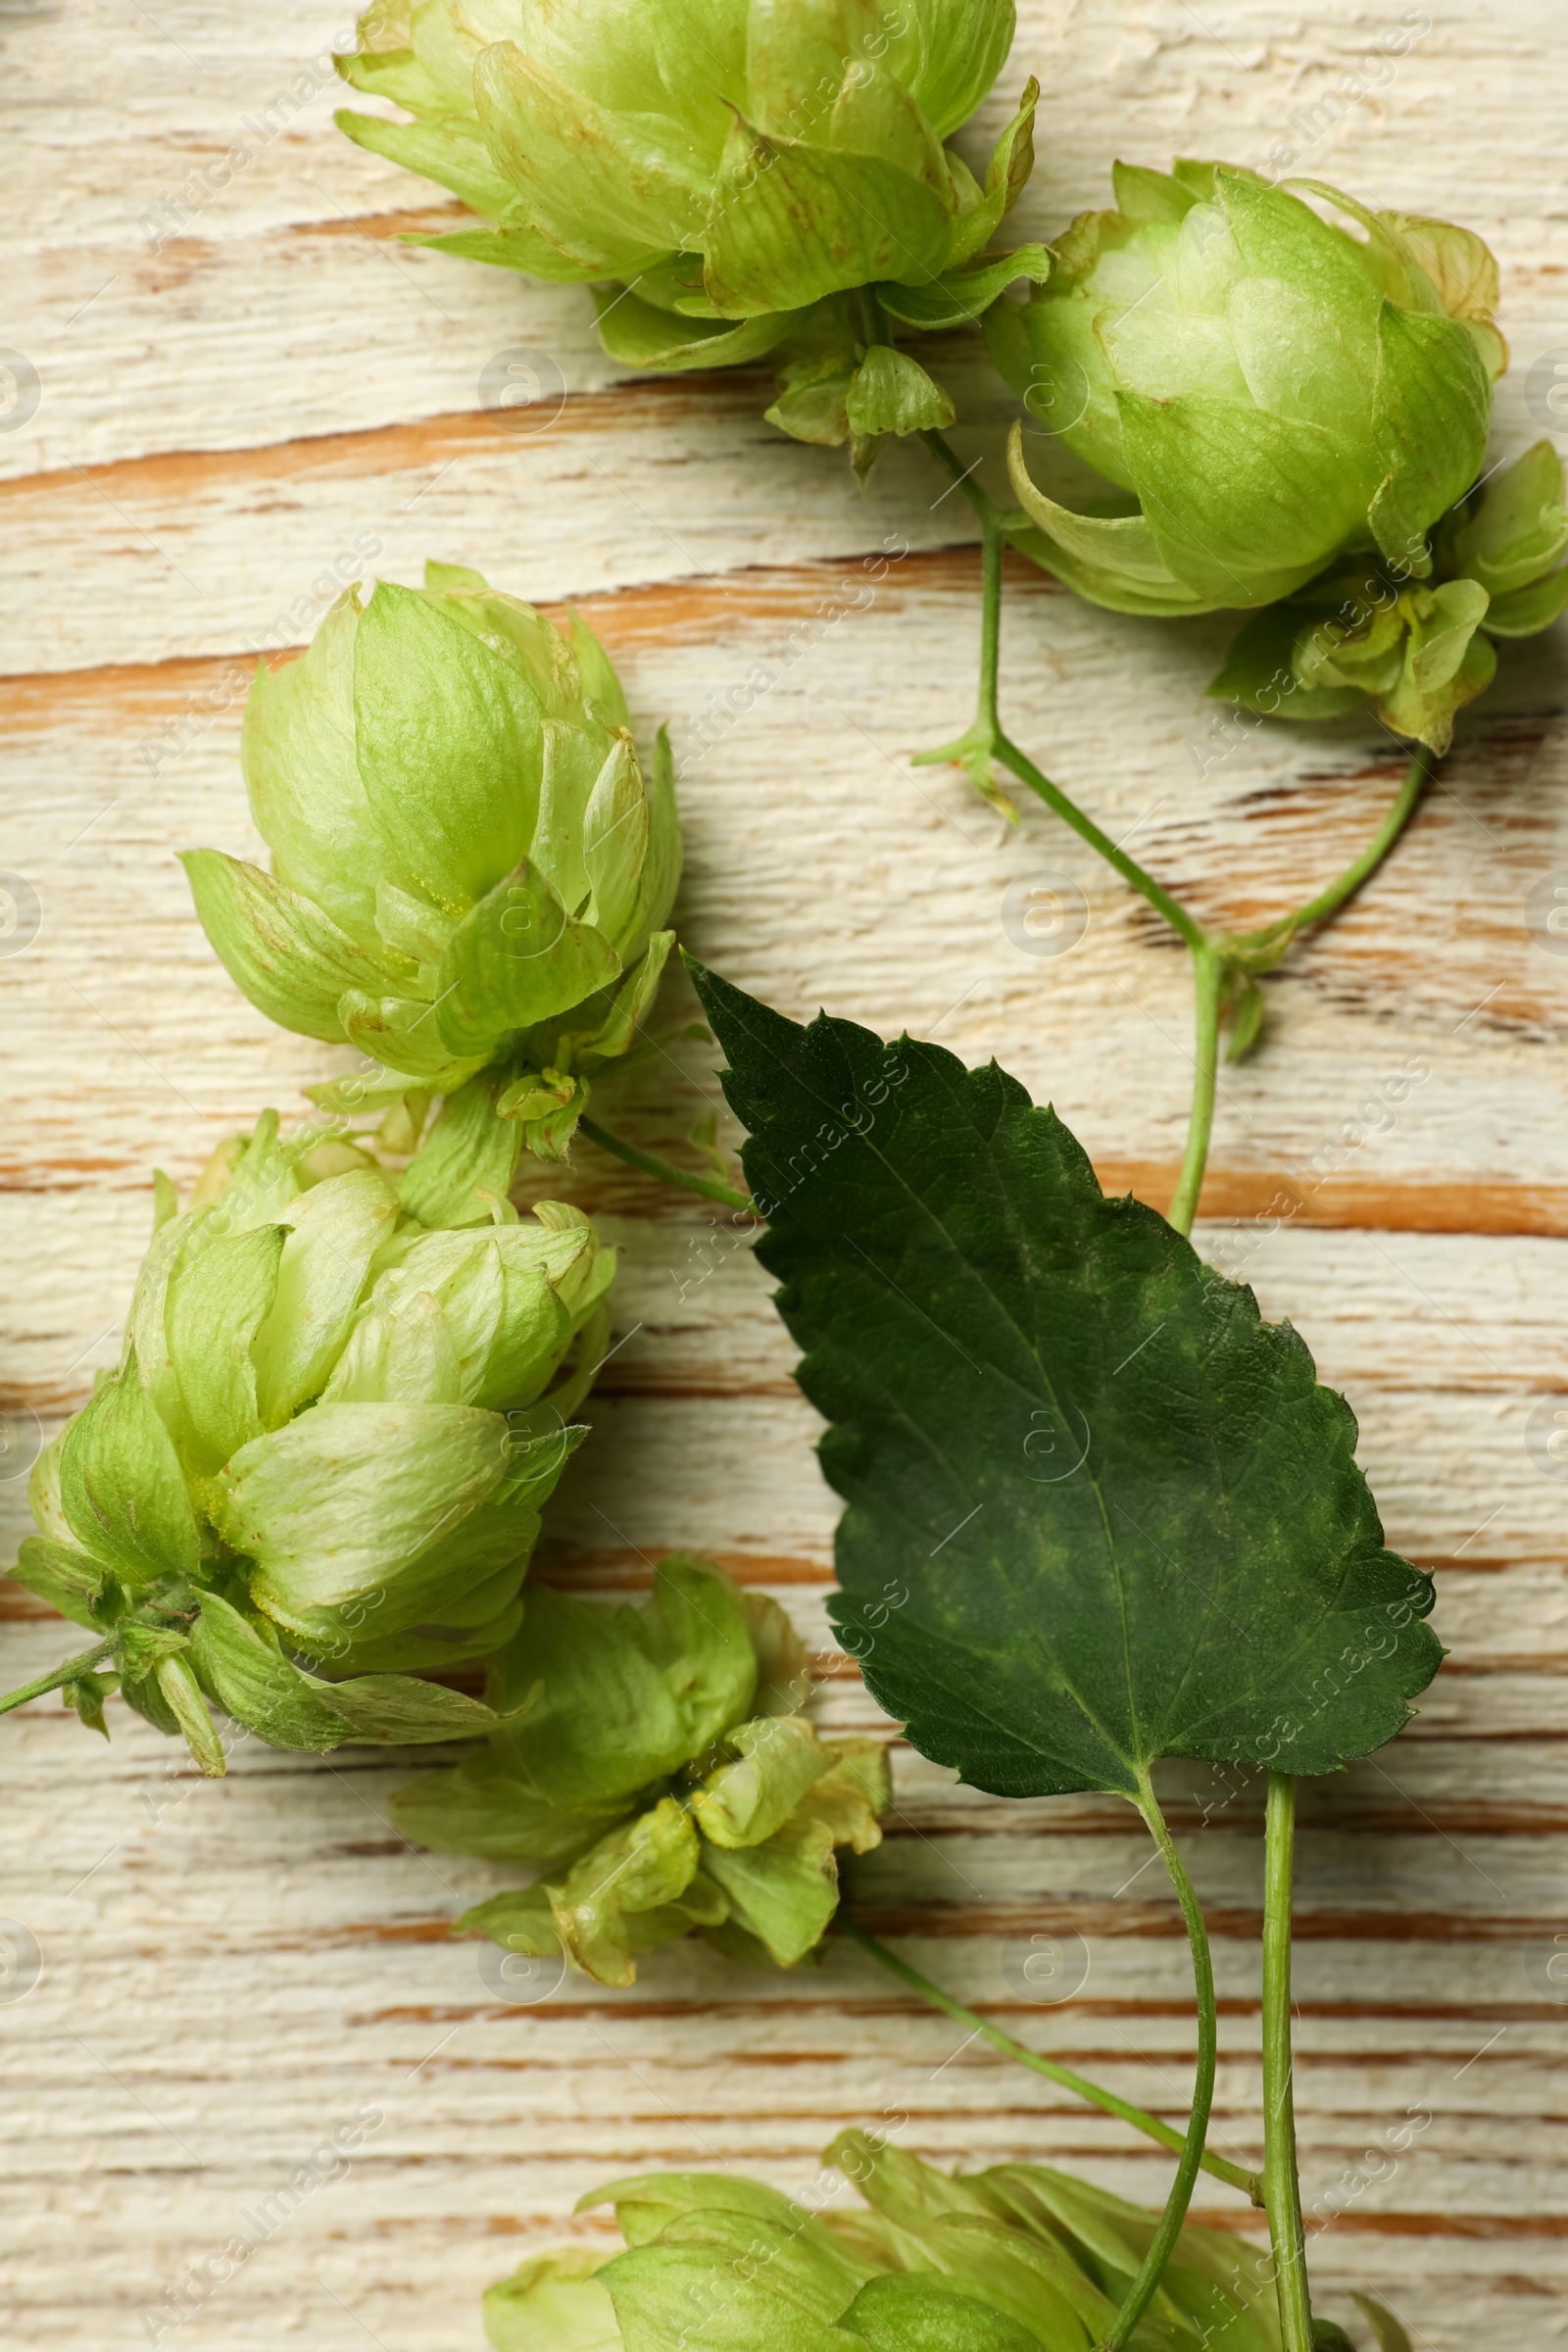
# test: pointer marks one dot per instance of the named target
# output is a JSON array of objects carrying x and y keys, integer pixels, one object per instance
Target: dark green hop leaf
[{"x": 1098, "y": 1511}]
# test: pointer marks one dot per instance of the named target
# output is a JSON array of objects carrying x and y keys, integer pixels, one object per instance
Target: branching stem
[
  {"x": 987, "y": 735},
  {"x": 1217, "y": 961},
  {"x": 1282, "y": 2187},
  {"x": 1233, "y": 2174}
]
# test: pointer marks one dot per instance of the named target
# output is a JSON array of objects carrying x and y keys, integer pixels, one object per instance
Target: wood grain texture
[{"x": 237, "y": 417}]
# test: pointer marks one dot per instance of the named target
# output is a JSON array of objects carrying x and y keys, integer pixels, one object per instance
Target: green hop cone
[
  {"x": 326, "y": 1445},
  {"x": 468, "y": 868},
  {"x": 1016, "y": 2258},
  {"x": 657, "y": 1761},
  {"x": 1359, "y": 637},
  {"x": 732, "y": 178},
  {"x": 1265, "y": 390}
]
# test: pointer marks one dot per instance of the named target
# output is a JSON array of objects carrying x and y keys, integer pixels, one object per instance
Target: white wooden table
[{"x": 282, "y": 395}]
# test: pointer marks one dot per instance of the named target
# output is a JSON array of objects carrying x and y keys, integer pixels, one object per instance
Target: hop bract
[
  {"x": 659, "y": 1760},
  {"x": 328, "y": 1439},
  {"x": 1014, "y": 2258},
  {"x": 1265, "y": 390},
  {"x": 1415, "y": 652},
  {"x": 468, "y": 868},
  {"x": 731, "y": 175}
]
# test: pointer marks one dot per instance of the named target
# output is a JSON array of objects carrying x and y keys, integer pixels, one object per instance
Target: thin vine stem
[
  {"x": 1328, "y": 901},
  {"x": 71, "y": 1670},
  {"x": 1208, "y": 988},
  {"x": 1213, "y": 963},
  {"x": 1163, "y": 2243},
  {"x": 1233, "y": 2176},
  {"x": 989, "y": 722},
  {"x": 1282, "y": 2186},
  {"x": 988, "y": 728},
  {"x": 979, "y": 497},
  {"x": 710, "y": 1188},
  {"x": 993, "y": 546},
  {"x": 1185, "y": 925}
]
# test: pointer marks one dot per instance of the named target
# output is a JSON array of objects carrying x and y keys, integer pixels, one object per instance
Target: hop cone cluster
[
  {"x": 1266, "y": 391},
  {"x": 468, "y": 868},
  {"x": 731, "y": 178},
  {"x": 326, "y": 1443},
  {"x": 1017, "y": 2258},
  {"x": 657, "y": 1762},
  {"x": 1415, "y": 652}
]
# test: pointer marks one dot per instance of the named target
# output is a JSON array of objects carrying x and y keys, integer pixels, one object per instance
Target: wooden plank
[
  {"x": 500, "y": 2114},
  {"x": 1421, "y": 975},
  {"x": 702, "y": 1384},
  {"x": 680, "y": 481},
  {"x": 288, "y": 308}
]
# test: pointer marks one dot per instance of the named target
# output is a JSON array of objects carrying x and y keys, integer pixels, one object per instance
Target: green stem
[
  {"x": 1328, "y": 901},
  {"x": 1187, "y": 926},
  {"x": 992, "y": 547},
  {"x": 1282, "y": 2186},
  {"x": 984, "y": 505},
  {"x": 988, "y": 721},
  {"x": 71, "y": 1672},
  {"x": 1085, "y": 826},
  {"x": 1208, "y": 981},
  {"x": 1233, "y": 2174},
  {"x": 1210, "y": 971},
  {"x": 711, "y": 1188},
  {"x": 1142, "y": 2291},
  {"x": 1213, "y": 959}
]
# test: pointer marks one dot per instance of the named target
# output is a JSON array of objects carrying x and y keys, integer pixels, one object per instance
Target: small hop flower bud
[
  {"x": 1362, "y": 637},
  {"x": 469, "y": 867},
  {"x": 663, "y": 1766},
  {"x": 733, "y": 181},
  {"x": 1265, "y": 390},
  {"x": 312, "y": 1442}
]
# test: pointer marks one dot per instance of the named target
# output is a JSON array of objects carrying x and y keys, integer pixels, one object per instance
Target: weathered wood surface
[{"x": 230, "y": 1972}]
